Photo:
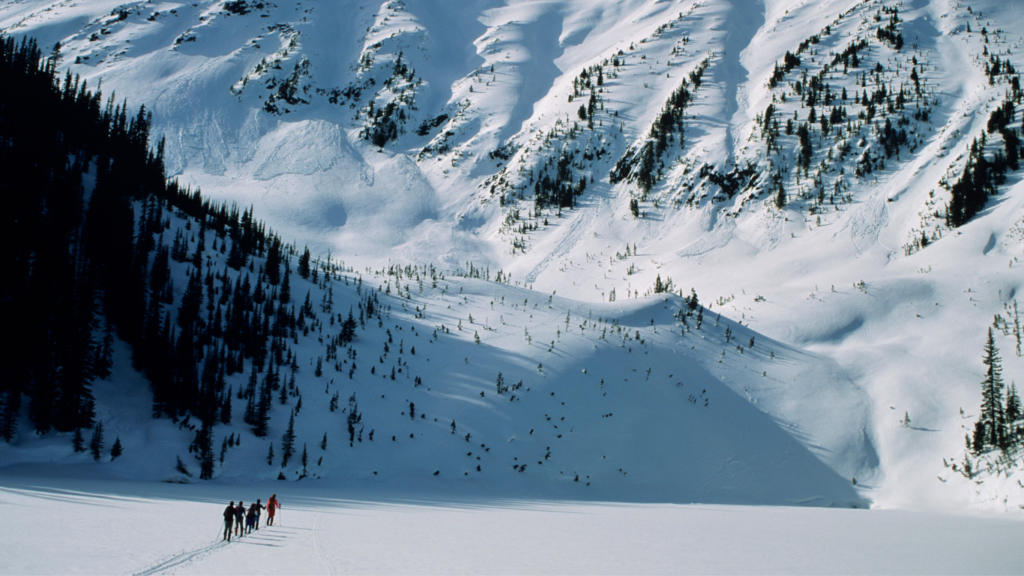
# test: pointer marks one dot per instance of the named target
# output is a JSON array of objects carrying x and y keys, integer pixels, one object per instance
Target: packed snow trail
[
  {"x": 319, "y": 548},
  {"x": 267, "y": 536},
  {"x": 181, "y": 559}
]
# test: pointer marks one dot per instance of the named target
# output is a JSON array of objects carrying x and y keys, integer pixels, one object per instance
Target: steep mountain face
[
  {"x": 839, "y": 176},
  {"x": 471, "y": 124}
]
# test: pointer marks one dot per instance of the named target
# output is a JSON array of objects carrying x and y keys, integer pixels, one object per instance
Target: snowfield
[{"x": 143, "y": 529}]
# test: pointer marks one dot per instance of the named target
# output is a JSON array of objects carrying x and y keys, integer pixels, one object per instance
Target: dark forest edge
[{"x": 83, "y": 229}]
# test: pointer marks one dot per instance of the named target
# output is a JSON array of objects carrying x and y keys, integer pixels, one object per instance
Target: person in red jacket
[{"x": 272, "y": 506}]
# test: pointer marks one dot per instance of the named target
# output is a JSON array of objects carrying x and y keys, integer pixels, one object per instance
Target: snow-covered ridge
[{"x": 488, "y": 119}]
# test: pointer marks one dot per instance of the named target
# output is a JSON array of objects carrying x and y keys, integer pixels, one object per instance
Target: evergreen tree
[
  {"x": 305, "y": 458},
  {"x": 191, "y": 302},
  {"x": 979, "y": 437},
  {"x": 116, "y": 451},
  {"x": 11, "y": 406},
  {"x": 692, "y": 302},
  {"x": 323, "y": 443},
  {"x": 77, "y": 441},
  {"x": 225, "y": 408},
  {"x": 1013, "y": 405},
  {"x": 273, "y": 265},
  {"x": 981, "y": 176},
  {"x": 285, "y": 296},
  {"x": 206, "y": 451},
  {"x": 105, "y": 354},
  {"x": 288, "y": 441},
  {"x": 96, "y": 444},
  {"x": 348, "y": 328},
  {"x": 304, "y": 264},
  {"x": 270, "y": 456},
  {"x": 992, "y": 417},
  {"x": 237, "y": 258}
]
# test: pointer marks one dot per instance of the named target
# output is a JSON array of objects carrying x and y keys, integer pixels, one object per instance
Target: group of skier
[{"x": 242, "y": 520}]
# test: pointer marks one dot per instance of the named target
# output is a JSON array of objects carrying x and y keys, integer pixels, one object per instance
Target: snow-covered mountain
[{"x": 792, "y": 162}]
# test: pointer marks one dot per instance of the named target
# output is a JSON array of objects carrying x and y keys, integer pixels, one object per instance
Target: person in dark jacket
[
  {"x": 240, "y": 519},
  {"x": 259, "y": 507},
  {"x": 250, "y": 518},
  {"x": 229, "y": 520}
]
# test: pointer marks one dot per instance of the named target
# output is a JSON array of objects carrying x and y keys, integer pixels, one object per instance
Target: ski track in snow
[
  {"x": 269, "y": 537},
  {"x": 183, "y": 559},
  {"x": 319, "y": 547}
]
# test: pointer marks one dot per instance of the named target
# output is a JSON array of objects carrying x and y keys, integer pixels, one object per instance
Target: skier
[
  {"x": 272, "y": 506},
  {"x": 259, "y": 507},
  {"x": 250, "y": 518},
  {"x": 229, "y": 518},
  {"x": 239, "y": 519}
]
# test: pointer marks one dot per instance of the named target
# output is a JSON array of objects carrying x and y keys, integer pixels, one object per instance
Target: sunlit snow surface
[{"x": 64, "y": 527}]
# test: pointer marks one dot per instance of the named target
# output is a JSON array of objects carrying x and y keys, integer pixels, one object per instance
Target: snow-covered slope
[
  {"x": 421, "y": 132},
  {"x": 465, "y": 386}
]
